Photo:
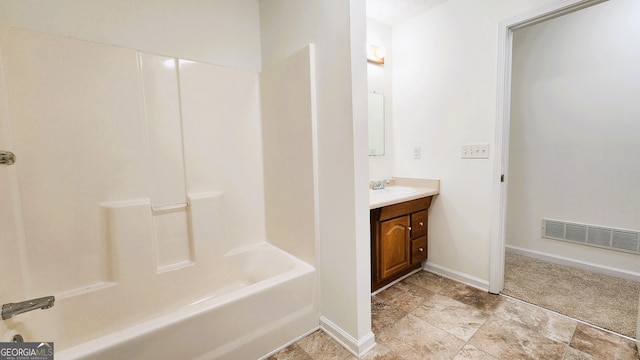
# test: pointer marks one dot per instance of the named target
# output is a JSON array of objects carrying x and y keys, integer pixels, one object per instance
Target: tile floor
[{"x": 426, "y": 316}]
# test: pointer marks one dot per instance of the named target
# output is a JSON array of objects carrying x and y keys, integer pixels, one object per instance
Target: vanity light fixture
[{"x": 375, "y": 54}]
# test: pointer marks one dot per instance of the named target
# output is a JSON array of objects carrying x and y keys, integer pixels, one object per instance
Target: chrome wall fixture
[
  {"x": 7, "y": 158},
  {"x": 11, "y": 309}
]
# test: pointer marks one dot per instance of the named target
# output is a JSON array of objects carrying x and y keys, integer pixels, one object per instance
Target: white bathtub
[{"x": 266, "y": 302}]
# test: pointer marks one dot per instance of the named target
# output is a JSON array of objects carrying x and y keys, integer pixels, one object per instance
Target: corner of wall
[{"x": 357, "y": 347}]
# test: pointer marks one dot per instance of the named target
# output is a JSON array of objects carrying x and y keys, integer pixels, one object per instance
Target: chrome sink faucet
[
  {"x": 377, "y": 185},
  {"x": 10, "y": 309}
]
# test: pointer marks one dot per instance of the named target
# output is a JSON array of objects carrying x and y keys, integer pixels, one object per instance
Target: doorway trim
[{"x": 503, "y": 119}]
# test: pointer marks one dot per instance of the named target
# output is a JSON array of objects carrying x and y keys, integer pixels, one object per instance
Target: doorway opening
[{"x": 507, "y": 153}]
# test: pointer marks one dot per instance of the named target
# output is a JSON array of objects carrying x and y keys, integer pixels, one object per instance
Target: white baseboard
[
  {"x": 624, "y": 274},
  {"x": 357, "y": 347},
  {"x": 456, "y": 275}
]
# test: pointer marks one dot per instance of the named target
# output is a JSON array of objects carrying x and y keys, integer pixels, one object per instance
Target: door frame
[{"x": 503, "y": 119}]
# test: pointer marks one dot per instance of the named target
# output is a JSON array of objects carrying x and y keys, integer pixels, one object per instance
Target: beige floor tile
[
  {"x": 481, "y": 300},
  {"x": 548, "y": 324},
  {"x": 383, "y": 314},
  {"x": 603, "y": 345},
  {"x": 451, "y": 316},
  {"x": 414, "y": 339},
  {"x": 511, "y": 340},
  {"x": 426, "y": 317},
  {"x": 574, "y": 354},
  {"x": 405, "y": 296},
  {"x": 321, "y": 346},
  {"x": 429, "y": 281},
  {"x": 470, "y": 352},
  {"x": 293, "y": 352},
  {"x": 381, "y": 352}
]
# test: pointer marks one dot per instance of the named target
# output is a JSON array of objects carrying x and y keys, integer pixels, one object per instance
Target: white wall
[
  {"x": 574, "y": 129},
  {"x": 444, "y": 89},
  {"x": 338, "y": 30},
  {"x": 379, "y": 81},
  {"x": 222, "y": 32}
]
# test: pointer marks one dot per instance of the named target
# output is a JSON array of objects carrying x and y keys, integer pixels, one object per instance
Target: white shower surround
[{"x": 158, "y": 205}]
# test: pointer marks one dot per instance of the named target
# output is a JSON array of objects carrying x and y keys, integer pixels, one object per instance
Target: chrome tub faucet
[{"x": 10, "y": 309}]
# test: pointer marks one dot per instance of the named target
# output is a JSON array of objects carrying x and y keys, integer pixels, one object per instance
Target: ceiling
[{"x": 392, "y": 12}]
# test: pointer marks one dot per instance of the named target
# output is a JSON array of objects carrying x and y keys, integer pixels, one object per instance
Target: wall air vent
[{"x": 592, "y": 235}]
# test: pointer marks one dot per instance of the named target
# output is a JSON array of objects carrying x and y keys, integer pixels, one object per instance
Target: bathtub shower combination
[
  {"x": 148, "y": 194},
  {"x": 238, "y": 306}
]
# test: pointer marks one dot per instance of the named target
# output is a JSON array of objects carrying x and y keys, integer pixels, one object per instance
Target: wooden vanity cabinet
[{"x": 398, "y": 240}]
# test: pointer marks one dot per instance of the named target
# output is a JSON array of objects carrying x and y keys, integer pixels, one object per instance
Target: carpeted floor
[{"x": 602, "y": 300}]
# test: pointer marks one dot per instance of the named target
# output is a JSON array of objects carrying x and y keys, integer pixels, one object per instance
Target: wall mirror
[{"x": 376, "y": 124}]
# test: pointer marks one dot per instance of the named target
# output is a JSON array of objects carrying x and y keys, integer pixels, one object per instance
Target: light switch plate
[{"x": 475, "y": 151}]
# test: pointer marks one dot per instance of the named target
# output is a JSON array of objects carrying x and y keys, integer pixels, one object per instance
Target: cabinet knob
[
  {"x": 421, "y": 249},
  {"x": 409, "y": 228},
  {"x": 421, "y": 223}
]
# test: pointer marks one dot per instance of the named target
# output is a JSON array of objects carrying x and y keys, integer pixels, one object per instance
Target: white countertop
[{"x": 424, "y": 188}]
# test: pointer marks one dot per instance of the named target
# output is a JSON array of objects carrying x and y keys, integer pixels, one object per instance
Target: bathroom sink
[{"x": 393, "y": 190}]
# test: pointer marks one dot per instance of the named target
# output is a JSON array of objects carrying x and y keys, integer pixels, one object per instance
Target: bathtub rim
[{"x": 188, "y": 312}]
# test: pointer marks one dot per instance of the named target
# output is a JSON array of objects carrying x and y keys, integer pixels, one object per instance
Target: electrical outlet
[{"x": 481, "y": 151}]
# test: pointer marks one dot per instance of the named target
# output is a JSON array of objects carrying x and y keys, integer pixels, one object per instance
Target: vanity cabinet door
[
  {"x": 394, "y": 249},
  {"x": 418, "y": 250}
]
